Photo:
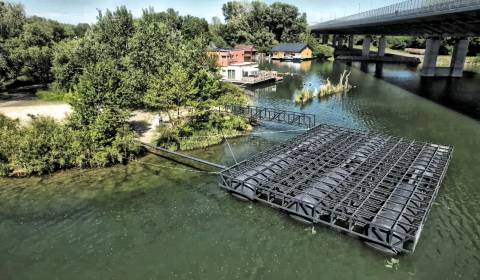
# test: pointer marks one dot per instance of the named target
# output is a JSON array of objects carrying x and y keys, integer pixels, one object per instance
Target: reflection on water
[
  {"x": 155, "y": 220},
  {"x": 459, "y": 94}
]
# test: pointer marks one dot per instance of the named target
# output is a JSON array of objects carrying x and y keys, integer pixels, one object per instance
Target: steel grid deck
[{"x": 376, "y": 187}]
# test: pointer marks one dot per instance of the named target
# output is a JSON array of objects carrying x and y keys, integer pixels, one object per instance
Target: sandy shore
[
  {"x": 22, "y": 109},
  {"x": 144, "y": 123}
]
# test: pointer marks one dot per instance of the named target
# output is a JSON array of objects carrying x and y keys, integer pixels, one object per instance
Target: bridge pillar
[
  {"x": 366, "y": 45},
  {"x": 350, "y": 42},
  {"x": 334, "y": 41},
  {"x": 324, "y": 39},
  {"x": 458, "y": 57},
  {"x": 381, "y": 46},
  {"x": 340, "y": 41},
  {"x": 430, "y": 59}
]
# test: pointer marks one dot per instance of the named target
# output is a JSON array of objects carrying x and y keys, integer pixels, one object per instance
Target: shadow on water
[{"x": 459, "y": 94}]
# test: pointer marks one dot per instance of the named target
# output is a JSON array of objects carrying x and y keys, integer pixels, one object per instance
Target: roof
[
  {"x": 226, "y": 50},
  {"x": 245, "y": 47},
  {"x": 290, "y": 47}
]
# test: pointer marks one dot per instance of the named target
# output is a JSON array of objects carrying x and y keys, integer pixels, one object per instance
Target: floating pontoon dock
[{"x": 373, "y": 186}]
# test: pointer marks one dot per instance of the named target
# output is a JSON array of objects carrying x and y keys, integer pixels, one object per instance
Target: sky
[{"x": 85, "y": 11}]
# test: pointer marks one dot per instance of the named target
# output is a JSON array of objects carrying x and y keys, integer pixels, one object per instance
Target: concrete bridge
[{"x": 434, "y": 19}]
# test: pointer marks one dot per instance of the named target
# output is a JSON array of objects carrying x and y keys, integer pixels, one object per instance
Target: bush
[{"x": 44, "y": 145}]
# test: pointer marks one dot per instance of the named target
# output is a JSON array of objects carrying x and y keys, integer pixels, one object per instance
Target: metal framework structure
[
  {"x": 271, "y": 114},
  {"x": 376, "y": 187}
]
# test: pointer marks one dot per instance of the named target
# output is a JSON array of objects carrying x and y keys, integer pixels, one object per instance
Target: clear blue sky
[{"x": 75, "y": 11}]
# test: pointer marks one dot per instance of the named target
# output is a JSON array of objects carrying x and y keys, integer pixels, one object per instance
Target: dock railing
[{"x": 271, "y": 114}]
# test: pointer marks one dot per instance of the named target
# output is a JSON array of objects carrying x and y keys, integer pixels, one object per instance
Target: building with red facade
[{"x": 227, "y": 56}]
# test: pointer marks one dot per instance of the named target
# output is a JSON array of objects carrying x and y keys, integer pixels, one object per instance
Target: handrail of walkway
[{"x": 400, "y": 10}]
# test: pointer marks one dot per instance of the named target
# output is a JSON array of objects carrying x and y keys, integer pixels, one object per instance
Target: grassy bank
[
  {"x": 200, "y": 131},
  {"x": 53, "y": 95}
]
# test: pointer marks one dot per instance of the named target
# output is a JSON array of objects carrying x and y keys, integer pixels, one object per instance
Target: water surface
[{"x": 155, "y": 219}]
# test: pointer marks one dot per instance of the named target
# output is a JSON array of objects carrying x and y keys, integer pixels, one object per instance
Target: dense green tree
[
  {"x": 262, "y": 25},
  {"x": 172, "y": 90},
  {"x": 12, "y": 19},
  {"x": 112, "y": 32},
  {"x": 318, "y": 49}
]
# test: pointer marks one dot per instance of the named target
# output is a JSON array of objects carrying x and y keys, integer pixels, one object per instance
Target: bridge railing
[
  {"x": 402, "y": 9},
  {"x": 271, "y": 114}
]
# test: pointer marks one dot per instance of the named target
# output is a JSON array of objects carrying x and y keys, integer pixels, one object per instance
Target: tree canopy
[{"x": 260, "y": 24}]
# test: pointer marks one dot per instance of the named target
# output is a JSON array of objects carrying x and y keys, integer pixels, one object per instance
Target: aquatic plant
[
  {"x": 341, "y": 87},
  {"x": 305, "y": 96}
]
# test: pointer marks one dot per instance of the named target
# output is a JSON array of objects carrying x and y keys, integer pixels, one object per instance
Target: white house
[{"x": 240, "y": 71}]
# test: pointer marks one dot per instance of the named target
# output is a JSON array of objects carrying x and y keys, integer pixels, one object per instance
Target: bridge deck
[{"x": 377, "y": 187}]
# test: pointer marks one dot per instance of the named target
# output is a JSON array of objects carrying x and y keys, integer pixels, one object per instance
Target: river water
[{"x": 155, "y": 219}]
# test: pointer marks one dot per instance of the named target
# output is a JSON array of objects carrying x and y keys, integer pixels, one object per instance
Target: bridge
[{"x": 434, "y": 19}]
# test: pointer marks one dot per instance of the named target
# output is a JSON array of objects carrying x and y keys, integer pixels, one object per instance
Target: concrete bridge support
[
  {"x": 366, "y": 45},
  {"x": 350, "y": 42},
  {"x": 340, "y": 42},
  {"x": 381, "y": 46},
  {"x": 334, "y": 41},
  {"x": 324, "y": 39},
  {"x": 430, "y": 59},
  {"x": 458, "y": 57}
]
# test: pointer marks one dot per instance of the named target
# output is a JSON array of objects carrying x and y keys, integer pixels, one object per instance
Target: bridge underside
[{"x": 462, "y": 24}]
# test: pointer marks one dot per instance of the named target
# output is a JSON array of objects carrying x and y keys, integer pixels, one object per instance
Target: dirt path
[
  {"x": 144, "y": 123},
  {"x": 22, "y": 109}
]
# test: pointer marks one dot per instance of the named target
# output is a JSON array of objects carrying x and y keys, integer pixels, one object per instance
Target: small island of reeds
[{"x": 329, "y": 88}]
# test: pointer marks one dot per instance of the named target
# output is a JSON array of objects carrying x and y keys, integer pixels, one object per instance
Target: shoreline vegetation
[{"x": 120, "y": 65}]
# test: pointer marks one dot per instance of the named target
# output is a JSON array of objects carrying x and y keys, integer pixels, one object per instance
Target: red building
[
  {"x": 227, "y": 56},
  {"x": 249, "y": 50}
]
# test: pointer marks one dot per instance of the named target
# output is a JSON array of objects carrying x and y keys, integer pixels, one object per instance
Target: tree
[
  {"x": 112, "y": 32},
  {"x": 12, "y": 19},
  {"x": 318, "y": 49},
  {"x": 171, "y": 91},
  {"x": 262, "y": 25}
]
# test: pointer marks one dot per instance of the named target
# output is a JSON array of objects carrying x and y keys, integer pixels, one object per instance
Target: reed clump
[
  {"x": 342, "y": 86},
  {"x": 305, "y": 96}
]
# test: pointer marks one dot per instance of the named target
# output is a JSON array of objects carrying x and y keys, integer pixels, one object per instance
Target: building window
[{"x": 231, "y": 74}]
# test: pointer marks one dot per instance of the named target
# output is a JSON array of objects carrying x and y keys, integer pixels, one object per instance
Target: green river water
[{"x": 152, "y": 219}]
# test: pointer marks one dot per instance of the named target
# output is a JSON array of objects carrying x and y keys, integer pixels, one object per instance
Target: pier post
[
  {"x": 350, "y": 42},
  {"x": 458, "y": 57},
  {"x": 430, "y": 59},
  {"x": 366, "y": 45},
  {"x": 381, "y": 46}
]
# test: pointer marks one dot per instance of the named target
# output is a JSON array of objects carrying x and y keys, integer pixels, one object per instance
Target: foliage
[
  {"x": 53, "y": 95},
  {"x": 260, "y": 24},
  {"x": 204, "y": 129},
  {"x": 319, "y": 50},
  {"x": 172, "y": 90},
  {"x": 342, "y": 86},
  {"x": 26, "y": 44},
  {"x": 158, "y": 61},
  {"x": 305, "y": 97},
  {"x": 44, "y": 146}
]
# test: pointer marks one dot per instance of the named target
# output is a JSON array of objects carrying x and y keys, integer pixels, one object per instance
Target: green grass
[{"x": 53, "y": 95}]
